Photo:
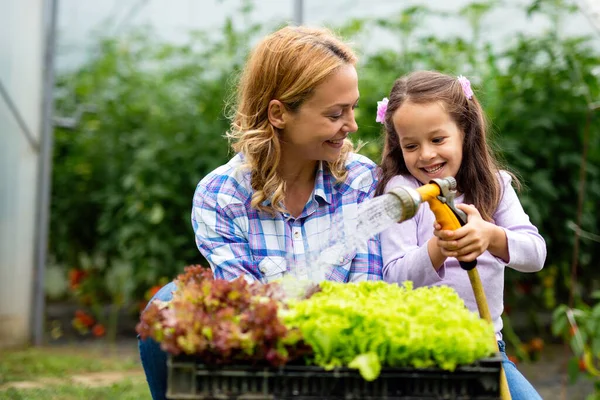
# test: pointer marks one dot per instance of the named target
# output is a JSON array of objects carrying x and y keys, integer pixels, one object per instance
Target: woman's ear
[{"x": 276, "y": 113}]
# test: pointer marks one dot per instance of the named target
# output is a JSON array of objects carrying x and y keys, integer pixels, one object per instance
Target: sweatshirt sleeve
[
  {"x": 526, "y": 247},
  {"x": 404, "y": 248}
]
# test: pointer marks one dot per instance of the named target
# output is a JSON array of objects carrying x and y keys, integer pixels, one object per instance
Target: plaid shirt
[{"x": 237, "y": 239}]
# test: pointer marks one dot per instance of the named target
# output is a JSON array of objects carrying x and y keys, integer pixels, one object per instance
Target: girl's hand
[{"x": 471, "y": 240}]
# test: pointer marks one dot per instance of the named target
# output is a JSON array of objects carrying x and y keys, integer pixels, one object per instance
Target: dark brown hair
[{"x": 477, "y": 177}]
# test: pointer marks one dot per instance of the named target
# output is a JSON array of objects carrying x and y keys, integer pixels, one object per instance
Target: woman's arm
[{"x": 220, "y": 239}]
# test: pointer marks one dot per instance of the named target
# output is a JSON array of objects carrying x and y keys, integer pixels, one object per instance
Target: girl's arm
[
  {"x": 406, "y": 257},
  {"x": 511, "y": 237},
  {"x": 526, "y": 247}
]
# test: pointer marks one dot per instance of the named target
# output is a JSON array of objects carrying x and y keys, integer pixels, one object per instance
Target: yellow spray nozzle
[
  {"x": 444, "y": 215},
  {"x": 439, "y": 193}
]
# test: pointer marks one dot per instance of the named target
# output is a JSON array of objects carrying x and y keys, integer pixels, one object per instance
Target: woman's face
[{"x": 316, "y": 130}]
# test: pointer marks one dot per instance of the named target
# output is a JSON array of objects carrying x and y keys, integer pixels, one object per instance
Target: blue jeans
[
  {"x": 518, "y": 385},
  {"x": 154, "y": 361}
]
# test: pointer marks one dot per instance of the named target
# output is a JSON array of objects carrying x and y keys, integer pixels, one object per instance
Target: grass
[
  {"x": 32, "y": 363},
  {"x": 37, "y": 364},
  {"x": 126, "y": 390}
]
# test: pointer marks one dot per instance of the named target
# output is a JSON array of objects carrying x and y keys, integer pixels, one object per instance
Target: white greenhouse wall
[
  {"x": 81, "y": 21},
  {"x": 21, "y": 56}
]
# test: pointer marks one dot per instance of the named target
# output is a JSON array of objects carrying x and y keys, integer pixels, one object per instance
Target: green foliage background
[{"x": 125, "y": 175}]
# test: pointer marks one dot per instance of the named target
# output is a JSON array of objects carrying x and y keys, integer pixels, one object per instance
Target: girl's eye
[
  {"x": 438, "y": 140},
  {"x": 335, "y": 117},
  {"x": 410, "y": 147}
]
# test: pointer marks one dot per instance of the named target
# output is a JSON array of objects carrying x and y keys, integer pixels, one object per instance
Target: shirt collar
[{"x": 319, "y": 191}]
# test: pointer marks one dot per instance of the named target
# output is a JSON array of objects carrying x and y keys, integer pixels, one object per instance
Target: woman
[{"x": 287, "y": 202}]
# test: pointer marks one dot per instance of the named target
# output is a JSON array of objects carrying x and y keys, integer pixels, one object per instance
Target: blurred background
[{"x": 112, "y": 111}]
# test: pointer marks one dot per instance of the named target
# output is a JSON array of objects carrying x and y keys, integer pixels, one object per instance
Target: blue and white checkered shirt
[{"x": 237, "y": 239}]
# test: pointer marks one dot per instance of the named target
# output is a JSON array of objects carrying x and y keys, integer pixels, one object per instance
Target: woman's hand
[{"x": 473, "y": 239}]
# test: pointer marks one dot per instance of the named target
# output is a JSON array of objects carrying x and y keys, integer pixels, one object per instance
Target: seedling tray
[{"x": 190, "y": 379}]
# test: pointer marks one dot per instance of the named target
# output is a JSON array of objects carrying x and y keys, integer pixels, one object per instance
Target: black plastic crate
[{"x": 189, "y": 379}]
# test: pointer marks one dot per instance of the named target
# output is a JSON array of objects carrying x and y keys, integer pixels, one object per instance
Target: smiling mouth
[
  {"x": 433, "y": 169},
  {"x": 339, "y": 141}
]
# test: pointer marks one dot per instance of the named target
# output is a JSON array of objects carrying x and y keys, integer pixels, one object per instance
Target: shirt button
[
  {"x": 263, "y": 269},
  {"x": 296, "y": 235},
  {"x": 341, "y": 260}
]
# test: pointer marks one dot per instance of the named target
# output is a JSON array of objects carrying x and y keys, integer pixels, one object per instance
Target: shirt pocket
[
  {"x": 272, "y": 268},
  {"x": 336, "y": 262}
]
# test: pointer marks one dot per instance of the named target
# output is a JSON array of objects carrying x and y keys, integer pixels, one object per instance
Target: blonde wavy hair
[{"x": 287, "y": 65}]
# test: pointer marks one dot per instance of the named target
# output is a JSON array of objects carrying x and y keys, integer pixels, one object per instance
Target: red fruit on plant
[
  {"x": 81, "y": 328},
  {"x": 84, "y": 318},
  {"x": 536, "y": 344},
  {"x": 582, "y": 366},
  {"x": 76, "y": 276},
  {"x": 98, "y": 330}
]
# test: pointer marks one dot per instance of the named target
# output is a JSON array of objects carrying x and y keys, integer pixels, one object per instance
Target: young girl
[{"x": 435, "y": 128}]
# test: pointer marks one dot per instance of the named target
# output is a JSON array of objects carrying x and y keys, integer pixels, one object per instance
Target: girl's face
[
  {"x": 431, "y": 141},
  {"x": 318, "y": 128}
]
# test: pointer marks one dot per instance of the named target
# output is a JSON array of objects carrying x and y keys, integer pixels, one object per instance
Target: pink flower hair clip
[
  {"x": 466, "y": 86},
  {"x": 381, "y": 110}
]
